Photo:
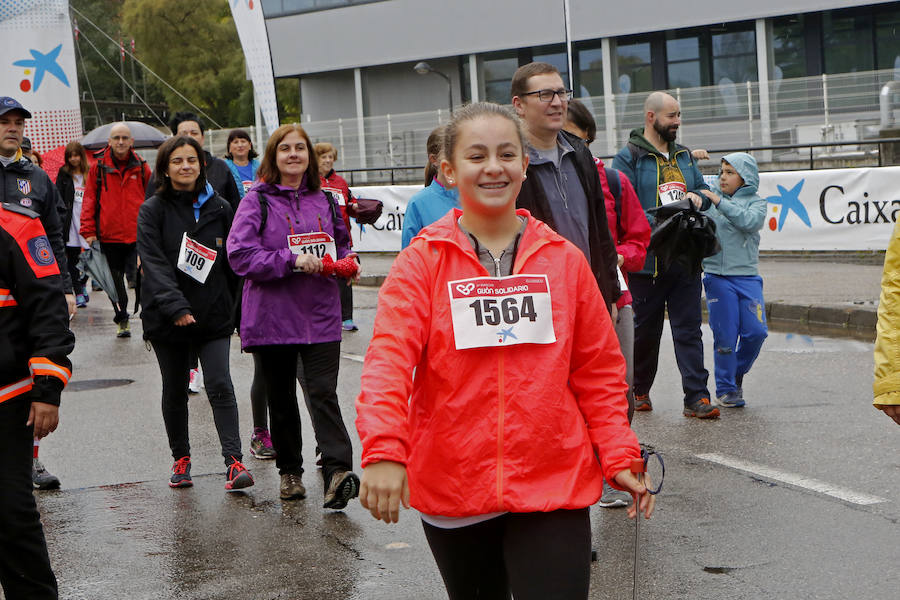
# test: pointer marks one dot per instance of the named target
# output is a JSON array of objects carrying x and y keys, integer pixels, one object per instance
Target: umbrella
[
  {"x": 145, "y": 136},
  {"x": 53, "y": 160},
  {"x": 682, "y": 235},
  {"x": 94, "y": 264}
]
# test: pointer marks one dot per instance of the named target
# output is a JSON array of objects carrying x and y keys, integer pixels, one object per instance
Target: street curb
[{"x": 855, "y": 320}]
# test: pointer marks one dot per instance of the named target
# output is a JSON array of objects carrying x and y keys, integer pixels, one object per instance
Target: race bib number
[
  {"x": 317, "y": 244},
  {"x": 338, "y": 195},
  {"x": 501, "y": 311},
  {"x": 79, "y": 195},
  {"x": 195, "y": 259},
  {"x": 671, "y": 191},
  {"x": 247, "y": 185}
]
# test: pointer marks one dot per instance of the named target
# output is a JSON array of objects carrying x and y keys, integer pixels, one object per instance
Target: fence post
[
  {"x": 341, "y": 137},
  {"x": 750, "y": 111},
  {"x": 391, "y": 145},
  {"x": 678, "y": 98},
  {"x": 825, "y": 99}
]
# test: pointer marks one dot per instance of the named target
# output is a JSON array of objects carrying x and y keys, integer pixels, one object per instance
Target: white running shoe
[{"x": 195, "y": 384}]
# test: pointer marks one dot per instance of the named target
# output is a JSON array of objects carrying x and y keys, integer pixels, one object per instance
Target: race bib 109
[
  {"x": 195, "y": 259},
  {"x": 501, "y": 311}
]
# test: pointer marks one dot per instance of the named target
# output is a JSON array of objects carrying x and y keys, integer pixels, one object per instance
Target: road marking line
[
  {"x": 357, "y": 357},
  {"x": 809, "y": 483}
]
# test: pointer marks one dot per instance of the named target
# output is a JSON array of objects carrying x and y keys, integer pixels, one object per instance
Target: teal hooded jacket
[{"x": 738, "y": 218}]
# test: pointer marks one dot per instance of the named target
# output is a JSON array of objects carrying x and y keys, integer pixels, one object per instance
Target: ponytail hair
[{"x": 433, "y": 146}]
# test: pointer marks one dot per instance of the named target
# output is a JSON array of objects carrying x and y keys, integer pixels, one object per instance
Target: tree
[{"x": 194, "y": 46}]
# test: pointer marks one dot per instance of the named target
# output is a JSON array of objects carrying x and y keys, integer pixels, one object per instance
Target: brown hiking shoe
[
  {"x": 642, "y": 402},
  {"x": 292, "y": 487},
  {"x": 701, "y": 409}
]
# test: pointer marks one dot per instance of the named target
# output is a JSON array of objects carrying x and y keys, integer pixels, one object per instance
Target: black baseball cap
[
  {"x": 25, "y": 145},
  {"x": 7, "y": 104}
]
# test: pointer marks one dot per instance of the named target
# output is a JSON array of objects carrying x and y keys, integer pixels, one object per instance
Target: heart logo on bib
[{"x": 465, "y": 289}]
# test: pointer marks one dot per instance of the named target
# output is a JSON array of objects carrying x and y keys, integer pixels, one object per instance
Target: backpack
[
  {"x": 144, "y": 177},
  {"x": 615, "y": 187}
]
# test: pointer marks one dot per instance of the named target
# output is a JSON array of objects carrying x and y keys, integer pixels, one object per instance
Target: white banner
[
  {"x": 384, "y": 235},
  {"x": 38, "y": 69},
  {"x": 827, "y": 209},
  {"x": 251, "y": 28}
]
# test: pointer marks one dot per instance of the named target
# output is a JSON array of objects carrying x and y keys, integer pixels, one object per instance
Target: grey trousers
[{"x": 625, "y": 333}]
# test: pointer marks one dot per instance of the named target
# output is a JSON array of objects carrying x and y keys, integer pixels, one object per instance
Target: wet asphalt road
[{"x": 772, "y": 526}]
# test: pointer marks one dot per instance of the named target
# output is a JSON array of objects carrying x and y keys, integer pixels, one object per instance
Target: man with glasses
[{"x": 562, "y": 187}]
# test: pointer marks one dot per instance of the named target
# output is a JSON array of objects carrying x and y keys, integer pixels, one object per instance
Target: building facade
[{"x": 770, "y": 60}]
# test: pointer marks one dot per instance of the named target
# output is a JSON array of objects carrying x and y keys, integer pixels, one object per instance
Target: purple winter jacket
[{"x": 279, "y": 306}]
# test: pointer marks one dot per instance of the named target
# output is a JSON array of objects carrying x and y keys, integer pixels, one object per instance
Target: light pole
[{"x": 423, "y": 68}]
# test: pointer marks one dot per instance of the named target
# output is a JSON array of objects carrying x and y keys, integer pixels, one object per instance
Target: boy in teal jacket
[{"x": 734, "y": 298}]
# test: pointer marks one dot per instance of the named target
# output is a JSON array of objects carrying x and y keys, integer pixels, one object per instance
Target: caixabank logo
[
  {"x": 39, "y": 65},
  {"x": 785, "y": 203},
  {"x": 839, "y": 203}
]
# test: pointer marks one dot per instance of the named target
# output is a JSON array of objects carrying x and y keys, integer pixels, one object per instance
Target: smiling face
[
  {"x": 12, "y": 129},
  {"x": 729, "y": 180},
  {"x": 292, "y": 157},
  {"x": 543, "y": 117},
  {"x": 184, "y": 168},
  {"x": 326, "y": 163},
  {"x": 239, "y": 148},
  {"x": 74, "y": 161},
  {"x": 487, "y": 165},
  {"x": 667, "y": 120}
]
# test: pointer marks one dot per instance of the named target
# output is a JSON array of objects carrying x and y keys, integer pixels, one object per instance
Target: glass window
[
  {"x": 847, "y": 42},
  {"x": 558, "y": 59},
  {"x": 789, "y": 46},
  {"x": 634, "y": 67},
  {"x": 498, "y": 73},
  {"x": 887, "y": 39},
  {"x": 734, "y": 56},
  {"x": 277, "y": 8},
  {"x": 684, "y": 66},
  {"x": 590, "y": 71}
]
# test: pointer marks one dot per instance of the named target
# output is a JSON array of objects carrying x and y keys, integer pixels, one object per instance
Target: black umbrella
[
  {"x": 682, "y": 235},
  {"x": 94, "y": 264},
  {"x": 145, "y": 136}
]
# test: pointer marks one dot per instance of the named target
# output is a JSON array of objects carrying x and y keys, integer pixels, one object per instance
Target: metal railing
[
  {"x": 819, "y": 112},
  {"x": 791, "y": 157}
]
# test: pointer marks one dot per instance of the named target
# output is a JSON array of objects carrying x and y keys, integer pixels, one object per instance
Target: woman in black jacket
[
  {"x": 70, "y": 181},
  {"x": 188, "y": 295}
]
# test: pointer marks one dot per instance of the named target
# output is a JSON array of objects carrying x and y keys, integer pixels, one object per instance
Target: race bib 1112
[{"x": 501, "y": 311}]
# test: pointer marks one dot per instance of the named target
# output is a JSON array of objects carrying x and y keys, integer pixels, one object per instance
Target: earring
[{"x": 449, "y": 180}]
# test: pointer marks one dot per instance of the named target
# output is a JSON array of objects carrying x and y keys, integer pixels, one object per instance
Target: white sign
[
  {"x": 826, "y": 209},
  {"x": 830, "y": 209},
  {"x": 501, "y": 311},
  {"x": 37, "y": 68},
  {"x": 251, "y": 28}
]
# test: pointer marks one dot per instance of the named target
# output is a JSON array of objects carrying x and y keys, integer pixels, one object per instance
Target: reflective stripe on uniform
[
  {"x": 18, "y": 388},
  {"x": 44, "y": 366},
  {"x": 6, "y": 298}
]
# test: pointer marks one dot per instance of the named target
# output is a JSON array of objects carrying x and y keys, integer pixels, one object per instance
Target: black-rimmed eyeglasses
[{"x": 547, "y": 95}]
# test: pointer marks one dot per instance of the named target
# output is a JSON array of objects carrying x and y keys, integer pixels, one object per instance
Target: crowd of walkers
[{"x": 522, "y": 249}]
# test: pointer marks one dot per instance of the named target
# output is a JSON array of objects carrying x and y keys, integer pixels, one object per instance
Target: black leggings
[
  {"x": 258, "y": 396},
  {"x": 117, "y": 256},
  {"x": 533, "y": 556},
  {"x": 78, "y": 280},
  {"x": 174, "y": 368}
]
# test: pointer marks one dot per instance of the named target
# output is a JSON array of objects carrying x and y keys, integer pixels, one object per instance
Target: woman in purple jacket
[{"x": 291, "y": 313}]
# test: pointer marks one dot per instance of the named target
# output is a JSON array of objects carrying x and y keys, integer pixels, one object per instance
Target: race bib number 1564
[{"x": 501, "y": 311}]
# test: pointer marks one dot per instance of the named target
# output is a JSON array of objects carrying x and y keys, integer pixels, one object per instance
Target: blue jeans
[{"x": 737, "y": 317}]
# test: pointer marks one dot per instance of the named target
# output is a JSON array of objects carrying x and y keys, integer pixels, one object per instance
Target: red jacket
[
  {"x": 632, "y": 235},
  {"x": 121, "y": 196},
  {"x": 337, "y": 185},
  {"x": 482, "y": 430}
]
